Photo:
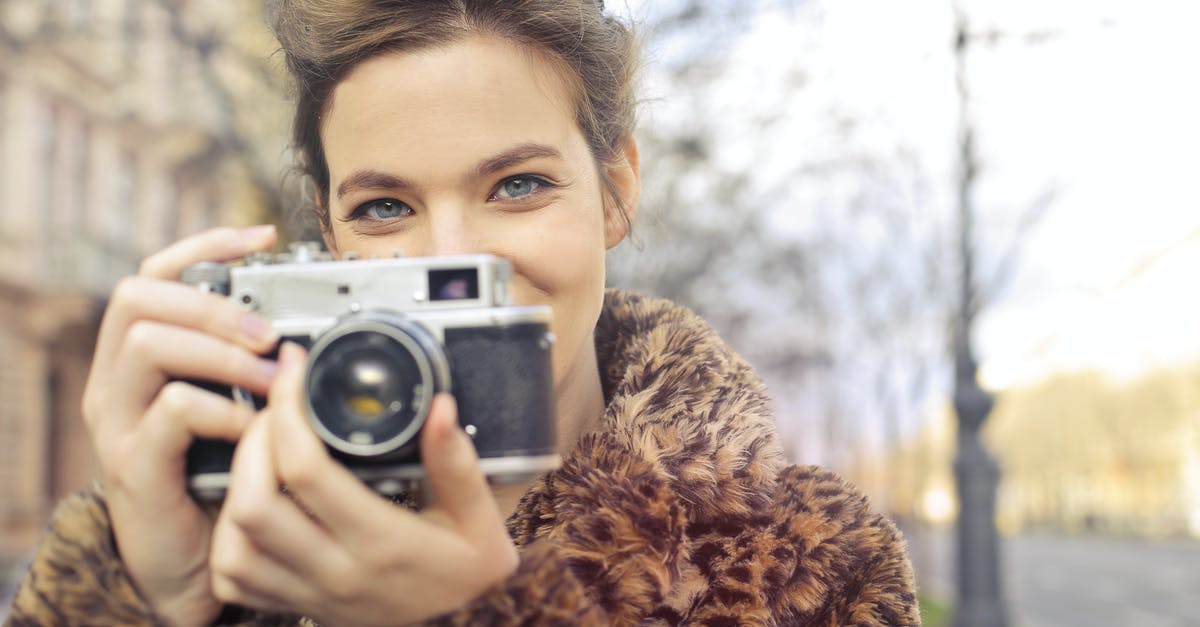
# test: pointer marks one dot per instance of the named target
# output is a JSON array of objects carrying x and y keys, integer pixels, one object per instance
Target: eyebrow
[
  {"x": 368, "y": 179},
  {"x": 515, "y": 155}
]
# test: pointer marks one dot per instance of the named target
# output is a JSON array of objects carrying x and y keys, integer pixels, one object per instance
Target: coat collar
[{"x": 680, "y": 404}]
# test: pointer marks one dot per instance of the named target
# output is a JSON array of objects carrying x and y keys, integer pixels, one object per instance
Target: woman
[{"x": 440, "y": 128}]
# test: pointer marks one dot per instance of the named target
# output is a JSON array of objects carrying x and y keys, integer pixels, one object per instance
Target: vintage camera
[{"x": 384, "y": 336}]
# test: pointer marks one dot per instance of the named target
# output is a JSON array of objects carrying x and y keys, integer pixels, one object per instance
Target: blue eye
[
  {"x": 519, "y": 187},
  {"x": 383, "y": 209}
]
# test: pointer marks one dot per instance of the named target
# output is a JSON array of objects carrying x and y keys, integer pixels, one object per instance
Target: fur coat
[{"x": 678, "y": 510}]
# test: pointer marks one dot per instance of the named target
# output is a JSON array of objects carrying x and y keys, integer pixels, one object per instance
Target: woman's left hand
[{"x": 334, "y": 550}]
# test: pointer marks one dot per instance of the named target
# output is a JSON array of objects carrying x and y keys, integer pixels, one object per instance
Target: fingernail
[
  {"x": 258, "y": 328},
  {"x": 257, "y": 233}
]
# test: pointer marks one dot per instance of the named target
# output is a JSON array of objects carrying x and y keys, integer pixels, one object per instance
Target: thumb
[{"x": 452, "y": 471}]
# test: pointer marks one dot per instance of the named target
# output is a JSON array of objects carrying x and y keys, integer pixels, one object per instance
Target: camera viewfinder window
[{"x": 454, "y": 284}]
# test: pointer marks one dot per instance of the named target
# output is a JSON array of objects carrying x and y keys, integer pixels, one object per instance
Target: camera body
[{"x": 384, "y": 336}]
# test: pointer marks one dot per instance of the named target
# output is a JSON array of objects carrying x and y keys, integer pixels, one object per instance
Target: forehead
[{"x": 479, "y": 92}]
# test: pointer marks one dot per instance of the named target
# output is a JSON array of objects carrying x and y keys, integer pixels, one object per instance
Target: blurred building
[{"x": 123, "y": 127}]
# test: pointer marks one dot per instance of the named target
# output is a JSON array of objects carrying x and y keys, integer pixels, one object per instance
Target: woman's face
[{"x": 473, "y": 148}]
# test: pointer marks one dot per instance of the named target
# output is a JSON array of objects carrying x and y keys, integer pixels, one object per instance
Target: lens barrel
[{"x": 370, "y": 382}]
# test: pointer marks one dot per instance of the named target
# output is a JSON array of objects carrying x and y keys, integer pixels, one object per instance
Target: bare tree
[{"x": 850, "y": 302}]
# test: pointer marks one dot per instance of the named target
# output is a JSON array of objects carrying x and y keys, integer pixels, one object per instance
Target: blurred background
[{"x": 885, "y": 206}]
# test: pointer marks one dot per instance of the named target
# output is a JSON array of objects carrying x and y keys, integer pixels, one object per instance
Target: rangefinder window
[{"x": 454, "y": 284}]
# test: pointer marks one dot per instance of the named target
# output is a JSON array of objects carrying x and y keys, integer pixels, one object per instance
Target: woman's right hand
[{"x": 142, "y": 419}]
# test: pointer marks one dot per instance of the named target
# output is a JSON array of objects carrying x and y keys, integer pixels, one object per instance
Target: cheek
[{"x": 568, "y": 275}]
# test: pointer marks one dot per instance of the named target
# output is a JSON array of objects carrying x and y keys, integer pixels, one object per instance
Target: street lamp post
[{"x": 979, "y": 599}]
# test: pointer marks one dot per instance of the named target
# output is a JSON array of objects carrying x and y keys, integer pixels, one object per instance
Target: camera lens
[{"x": 371, "y": 379}]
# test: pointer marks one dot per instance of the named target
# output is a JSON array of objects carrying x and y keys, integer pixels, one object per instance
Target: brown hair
[{"x": 323, "y": 40}]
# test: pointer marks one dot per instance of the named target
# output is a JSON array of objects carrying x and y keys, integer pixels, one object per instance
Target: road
[{"x": 1057, "y": 581}]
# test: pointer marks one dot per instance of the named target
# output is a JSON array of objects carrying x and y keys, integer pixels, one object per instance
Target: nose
[{"x": 449, "y": 232}]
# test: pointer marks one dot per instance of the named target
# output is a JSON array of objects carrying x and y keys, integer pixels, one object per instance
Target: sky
[
  {"x": 1106, "y": 113},
  {"x": 1093, "y": 106}
]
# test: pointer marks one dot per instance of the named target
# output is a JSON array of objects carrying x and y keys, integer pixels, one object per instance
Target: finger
[
  {"x": 138, "y": 298},
  {"x": 179, "y": 413},
  {"x": 347, "y": 508},
  {"x": 230, "y": 592},
  {"x": 182, "y": 412},
  {"x": 274, "y": 522},
  {"x": 242, "y": 575},
  {"x": 154, "y": 352},
  {"x": 219, "y": 244},
  {"x": 452, "y": 470}
]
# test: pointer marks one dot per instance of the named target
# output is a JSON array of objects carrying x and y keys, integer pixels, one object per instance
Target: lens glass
[{"x": 369, "y": 388}]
